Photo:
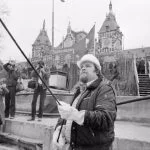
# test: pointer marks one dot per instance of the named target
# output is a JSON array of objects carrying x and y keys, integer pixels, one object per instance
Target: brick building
[
  {"x": 109, "y": 40},
  {"x": 62, "y": 54}
]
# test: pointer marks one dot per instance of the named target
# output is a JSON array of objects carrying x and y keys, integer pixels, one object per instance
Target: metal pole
[{"x": 134, "y": 100}]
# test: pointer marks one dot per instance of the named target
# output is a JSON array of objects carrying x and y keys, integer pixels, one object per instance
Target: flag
[
  {"x": 79, "y": 49},
  {"x": 90, "y": 40},
  {"x": 85, "y": 45}
]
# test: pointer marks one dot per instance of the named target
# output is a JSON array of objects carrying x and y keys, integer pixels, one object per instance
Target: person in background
[
  {"x": 11, "y": 82},
  {"x": 89, "y": 120},
  {"x": 40, "y": 89},
  {"x": 3, "y": 91}
]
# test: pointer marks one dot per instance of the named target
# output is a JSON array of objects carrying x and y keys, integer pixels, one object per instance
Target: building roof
[
  {"x": 42, "y": 37},
  {"x": 110, "y": 23},
  {"x": 139, "y": 52},
  {"x": 76, "y": 36}
]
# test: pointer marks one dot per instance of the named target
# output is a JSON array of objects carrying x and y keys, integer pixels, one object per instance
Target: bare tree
[{"x": 3, "y": 9}]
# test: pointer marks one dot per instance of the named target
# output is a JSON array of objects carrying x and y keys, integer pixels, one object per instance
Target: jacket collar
[
  {"x": 95, "y": 84},
  {"x": 92, "y": 86}
]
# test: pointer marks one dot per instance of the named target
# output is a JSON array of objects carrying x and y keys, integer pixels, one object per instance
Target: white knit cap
[{"x": 89, "y": 58}]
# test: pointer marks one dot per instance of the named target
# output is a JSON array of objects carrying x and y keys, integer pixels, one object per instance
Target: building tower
[
  {"x": 42, "y": 46},
  {"x": 109, "y": 35}
]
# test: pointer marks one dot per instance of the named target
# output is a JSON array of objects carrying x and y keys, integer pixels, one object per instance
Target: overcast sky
[{"x": 26, "y": 17}]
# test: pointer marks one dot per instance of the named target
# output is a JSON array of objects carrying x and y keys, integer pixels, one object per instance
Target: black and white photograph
[{"x": 74, "y": 75}]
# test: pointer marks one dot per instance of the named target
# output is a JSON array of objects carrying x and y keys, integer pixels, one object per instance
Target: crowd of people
[{"x": 8, "y": 89}]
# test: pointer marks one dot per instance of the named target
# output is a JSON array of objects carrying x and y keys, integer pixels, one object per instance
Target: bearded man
[{"x": 89, "y": 119}]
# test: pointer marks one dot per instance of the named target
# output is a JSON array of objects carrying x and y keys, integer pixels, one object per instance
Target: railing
[
  {"x": 136, "y": 76},
  {"x": 143, "y": 98}
]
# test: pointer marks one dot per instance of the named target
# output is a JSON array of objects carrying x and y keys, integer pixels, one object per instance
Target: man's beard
[{"x": 83, "y": 78}]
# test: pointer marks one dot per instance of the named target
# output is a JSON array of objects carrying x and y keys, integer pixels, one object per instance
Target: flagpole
[{"x": 53, "y": 25}]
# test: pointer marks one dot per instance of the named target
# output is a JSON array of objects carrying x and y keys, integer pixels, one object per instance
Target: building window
[
  {"x": 107, "y": 28},
  {"x": 68, "y": 59}
]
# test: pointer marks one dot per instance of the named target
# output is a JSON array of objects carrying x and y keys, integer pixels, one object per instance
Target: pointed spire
[
  {"x": 110, "y": 6},
  {"x": 110, "y": 14},
  {"x": 44, "y": 24},
  {"x": 69, "y": 28}
]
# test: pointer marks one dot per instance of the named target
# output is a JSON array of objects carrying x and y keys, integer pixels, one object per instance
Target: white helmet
[{"x": 89, "y": 58}]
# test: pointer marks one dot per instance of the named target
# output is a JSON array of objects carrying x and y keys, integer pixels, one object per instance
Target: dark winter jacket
[
  {"x": 11, "y": 76},
  {"x": 45, "y": 76},
  {"x": 97, "y": 132}
]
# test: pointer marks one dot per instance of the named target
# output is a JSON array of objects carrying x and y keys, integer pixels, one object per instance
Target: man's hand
[
  {"x": 3, "y": 85},
  {"x": 70, "y": 113},
  {"x": 42, "y": 70},
  {"x": 37, "y": 67}
]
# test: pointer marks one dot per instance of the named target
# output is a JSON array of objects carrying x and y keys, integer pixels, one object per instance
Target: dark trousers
[
  {"x": 10, "y": 102},
  {"x": 42, "y": 92},
  {"x": 1, "y": 109}
]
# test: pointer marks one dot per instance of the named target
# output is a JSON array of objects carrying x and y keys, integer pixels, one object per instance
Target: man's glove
[
  {"x": 70, "y": 113},
  {"x": 61, "y": 142}
]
